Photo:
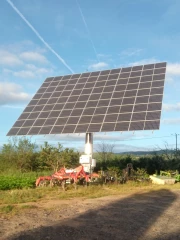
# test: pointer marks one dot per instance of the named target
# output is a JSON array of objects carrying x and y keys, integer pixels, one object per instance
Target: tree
[
  {"x": 56, "y": 157},
  {"x": 104, "y": 152},
  {"x": 70, "y": 158},
  {"x": 18, "y": 152},
  {"x": 25, "y": 150},
  {"x": 50, "y": 156}
]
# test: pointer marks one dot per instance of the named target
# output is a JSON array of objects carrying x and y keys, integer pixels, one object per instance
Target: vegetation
[
  {"x": 21, "y": 162},
  {"x": 20, "y": 155},
  {"x": 152, "y": 163}
]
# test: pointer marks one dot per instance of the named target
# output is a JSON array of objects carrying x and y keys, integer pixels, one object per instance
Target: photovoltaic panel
[{"x": 122, "y": 99}]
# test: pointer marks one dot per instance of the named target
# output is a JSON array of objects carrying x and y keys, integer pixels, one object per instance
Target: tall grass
[{"x": 47, "y": 193}]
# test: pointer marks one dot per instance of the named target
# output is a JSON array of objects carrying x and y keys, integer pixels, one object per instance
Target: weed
[{"x": 6, "y": 209}]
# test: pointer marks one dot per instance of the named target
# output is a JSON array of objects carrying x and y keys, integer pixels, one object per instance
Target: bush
[{"x": 11, "y": 182}]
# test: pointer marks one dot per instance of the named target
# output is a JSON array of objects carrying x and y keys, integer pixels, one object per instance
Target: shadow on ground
[{"x": 128, "y": 218}]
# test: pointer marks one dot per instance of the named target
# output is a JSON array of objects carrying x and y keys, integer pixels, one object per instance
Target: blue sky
[{"x": 56, "y": 37}]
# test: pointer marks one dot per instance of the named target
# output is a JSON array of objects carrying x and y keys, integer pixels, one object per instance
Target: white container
[{"x": 85, "y": 159}]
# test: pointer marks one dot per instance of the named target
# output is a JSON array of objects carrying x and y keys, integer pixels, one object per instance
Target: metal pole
[{"x": 176, "y": 135}]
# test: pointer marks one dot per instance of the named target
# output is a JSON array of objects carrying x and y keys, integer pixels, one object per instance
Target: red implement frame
[{"x": 63, "y": 175}]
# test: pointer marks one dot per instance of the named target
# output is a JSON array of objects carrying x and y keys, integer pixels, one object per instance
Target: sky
[{"x": 41, "y": 38}]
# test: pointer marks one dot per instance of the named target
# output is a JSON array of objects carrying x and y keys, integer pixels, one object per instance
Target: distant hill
[{"x": 143, "y": 153}]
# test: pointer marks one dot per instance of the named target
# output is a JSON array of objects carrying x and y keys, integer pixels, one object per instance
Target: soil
[{"x": 146, "y": 215}]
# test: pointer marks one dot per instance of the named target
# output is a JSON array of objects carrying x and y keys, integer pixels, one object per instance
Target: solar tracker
[{"x": 122, "y": 99}]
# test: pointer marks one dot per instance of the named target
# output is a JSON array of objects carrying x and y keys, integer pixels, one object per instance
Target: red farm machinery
[{"x": 64, "y": 176}]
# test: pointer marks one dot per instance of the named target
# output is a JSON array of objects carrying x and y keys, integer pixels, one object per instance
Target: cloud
[
  {"x": 9, "y": 59},
  {"x": 171, "y": 107},
  {"x": 173, "y": 69},
  {"x": 131, "y": 52},
  {"x": 102, "y": 55},
  {"x": 169, "y": 79},
  {"x": 98, "y": 66},
  {"x": 31, "y": 71},
  {"x": 24, "y": 74},
  {"x": 34, "y": 57},
  {"x": 144, "y": 61},
  {"x": 13, "y": 106},
  {"x": 171, "y": 121},
  {"x": 105, "y": 57},
  {"x": 11, "y": 93},
  {"x": 23, "y": 46}
]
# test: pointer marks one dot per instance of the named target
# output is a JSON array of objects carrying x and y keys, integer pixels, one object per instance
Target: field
[{"x": 129, "y": 211}]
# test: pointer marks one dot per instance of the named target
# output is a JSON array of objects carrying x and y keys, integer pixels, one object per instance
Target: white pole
[{"x": 89, "y": 147}]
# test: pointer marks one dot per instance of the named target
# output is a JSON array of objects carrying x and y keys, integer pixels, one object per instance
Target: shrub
[{"x": 11, "y": 182}]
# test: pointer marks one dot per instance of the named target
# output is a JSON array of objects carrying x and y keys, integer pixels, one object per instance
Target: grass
[
  {"x": 6, "y": 209},
  {"x": 12, "y": 201}
]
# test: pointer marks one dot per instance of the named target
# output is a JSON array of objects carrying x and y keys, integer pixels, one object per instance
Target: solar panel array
[{"x": 123, "y": 99}]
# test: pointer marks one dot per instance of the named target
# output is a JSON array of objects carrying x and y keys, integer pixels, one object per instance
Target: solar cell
[
  {"x": 137, "y": 68},
  {"x": 34, "y": 130},
  {"x": 81, "y": 128},
  {"x": 115, "y": 101},
  {"x": 130, "y": 93},
  {"x": 97, "y": 119},
  {"x": 61, "y": 121},
  {"x": 148, "y": 66},
  {"x": 138, "y": 116},
  {"x": 100, "y": 110},
  {"x": 127, "y": 69},
  {"x": 154, "y": 106},
  {"x": 94, "y": 127},
  {"x": 158, "y": 77},
  {"x": 136, "y": 126},
  {"x": 151, "y": 125},
  {"x": 124, "y": 117},
  {"x": 69, "y": 128},
  {"x": 122, "y": 99},
  {"x": 23, "y": 131},
  {"x": 105, "y": 72},
  {"x": 136, "y": 74},
  {"x": 45, "y": 130},
  {"x": 108, "y": 127},
  {"x": 122, "y": 81},
  {"x": 40, "y": 121},
  {"x": 50, "y": 122},
  {"x": 18, "y": 123},
  {"x": 111, "y": 118},
  {"x": 143, "y": 92},
  {"x": 140, "y": 107},
  {"x": 41, "y": 115},
  {"x": 94, "y": 97},
  {"x": 113, "y": 71},
  {"x": 33, "y": 115},
  {"x": 122, "y": 126}
]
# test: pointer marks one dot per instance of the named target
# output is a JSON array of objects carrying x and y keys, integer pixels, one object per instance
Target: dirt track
[{"x": 149, "y": 215}]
